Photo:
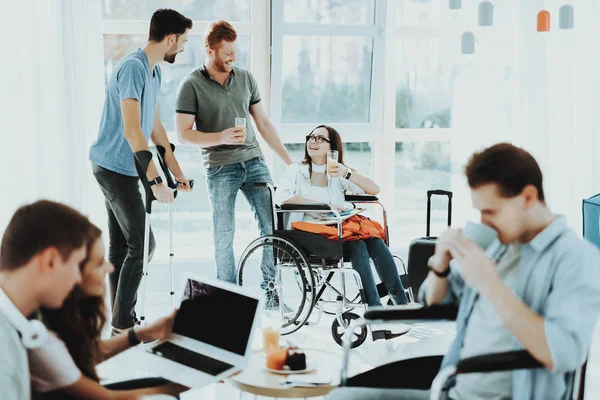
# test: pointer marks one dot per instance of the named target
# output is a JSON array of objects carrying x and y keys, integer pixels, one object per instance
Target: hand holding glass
[
  {"x": 332, "y": 160},
  {"x": 240, "y": 136}
]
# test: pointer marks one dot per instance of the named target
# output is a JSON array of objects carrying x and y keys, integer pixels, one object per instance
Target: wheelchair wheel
[
  {"x": 289, "y": 287},
  {"x": 359, "y": 335}
]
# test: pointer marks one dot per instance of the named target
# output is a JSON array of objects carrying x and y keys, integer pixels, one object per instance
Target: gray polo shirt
[{"x": 216, "y": 107}]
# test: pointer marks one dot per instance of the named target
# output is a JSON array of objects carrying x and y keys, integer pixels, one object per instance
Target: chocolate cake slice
[{"x": 296, "y": 360}]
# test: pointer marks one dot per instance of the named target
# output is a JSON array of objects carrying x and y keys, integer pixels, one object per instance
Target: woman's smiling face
[{"x": 316, "y": 149}]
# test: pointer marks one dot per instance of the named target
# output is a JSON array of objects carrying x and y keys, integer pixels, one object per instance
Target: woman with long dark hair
[
  {"x": 65, "y": 366},
  {"x": 309, "y": 182}
]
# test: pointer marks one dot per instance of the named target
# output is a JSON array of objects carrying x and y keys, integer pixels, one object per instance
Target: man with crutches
[{"x": 130, "y": 118}]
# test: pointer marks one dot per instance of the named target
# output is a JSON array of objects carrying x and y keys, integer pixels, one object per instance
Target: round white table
[{"x": 257, "y": 380}]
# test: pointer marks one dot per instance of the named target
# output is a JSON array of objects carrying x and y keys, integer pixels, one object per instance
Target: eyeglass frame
[{"x": 323, "y": 138}]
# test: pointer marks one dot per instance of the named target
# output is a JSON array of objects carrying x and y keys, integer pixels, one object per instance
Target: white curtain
[
  {"x": 52, "y": 91},
  {"x": 559, "y": 101}
]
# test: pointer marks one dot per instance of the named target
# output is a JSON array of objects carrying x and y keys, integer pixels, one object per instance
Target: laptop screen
[{"x": 216, "y": 316}]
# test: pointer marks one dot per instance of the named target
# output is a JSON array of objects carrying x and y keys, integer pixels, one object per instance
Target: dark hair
[
  {"x": 510, "y": 167},
  {"x": 79, "y": 322},
  {"x": 335, "y": 143},
  {"x": 38, "y": 226},
  {"x": 218, "y": 31},
  {"x": 166, "y": 22}
]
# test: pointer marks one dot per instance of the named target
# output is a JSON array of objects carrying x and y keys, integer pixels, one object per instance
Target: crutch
[{"x": 142, "y": 160}]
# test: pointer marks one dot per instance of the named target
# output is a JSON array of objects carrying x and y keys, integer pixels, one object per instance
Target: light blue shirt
[
  {"x": 131, "y": 79},
  {"x": 558, "y": 277}
]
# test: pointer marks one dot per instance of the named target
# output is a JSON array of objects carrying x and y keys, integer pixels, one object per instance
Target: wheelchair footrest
[{"x": 386, "y": 334}]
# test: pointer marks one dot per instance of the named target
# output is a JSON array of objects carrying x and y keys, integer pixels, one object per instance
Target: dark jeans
[
  {"x": 359, "y": 252},
  {"x": 126, "y": 219}
]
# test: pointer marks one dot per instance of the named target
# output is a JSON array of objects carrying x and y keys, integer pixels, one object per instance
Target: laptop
[{"x": 212, "y": 334}]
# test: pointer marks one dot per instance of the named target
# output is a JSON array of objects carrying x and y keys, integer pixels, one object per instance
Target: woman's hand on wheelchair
[{"x": 337, "y": 207}]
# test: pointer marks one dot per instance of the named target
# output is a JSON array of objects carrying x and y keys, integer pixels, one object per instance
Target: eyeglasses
[{"x": 318, "y": 138}]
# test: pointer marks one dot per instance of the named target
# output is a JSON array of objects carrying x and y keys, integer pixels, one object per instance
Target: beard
[
  {"x": 221, "y": 66},
  {"x": 171, "y": 54},
  {"x": 170, "y": 58}
]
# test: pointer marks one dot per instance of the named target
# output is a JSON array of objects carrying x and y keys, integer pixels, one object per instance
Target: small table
[{"x": 255, "y": 379}]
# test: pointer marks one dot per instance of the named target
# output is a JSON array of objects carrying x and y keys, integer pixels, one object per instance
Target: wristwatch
[
  {"x": 155, "y": 181},
  {"x": 132, "y": 337},
  {"x": 443, "y": 274},
  {"x": 348, "y": 174}
]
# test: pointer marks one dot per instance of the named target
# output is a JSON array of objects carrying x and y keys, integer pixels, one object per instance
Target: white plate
[{"x": 286, "y": 371}]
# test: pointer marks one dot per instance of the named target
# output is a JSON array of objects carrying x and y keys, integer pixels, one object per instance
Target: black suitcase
[{"x": 422, "y": 248}]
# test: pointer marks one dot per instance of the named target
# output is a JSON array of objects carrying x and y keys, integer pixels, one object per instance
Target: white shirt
[
  {"x": 51, "y": 366},
  {"x": 14, "y": 371},
  {"x": 297, "y": 183}
]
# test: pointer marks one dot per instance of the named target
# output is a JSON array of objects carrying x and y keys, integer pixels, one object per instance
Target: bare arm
[
  {"x": 159, "y": 137},
  {"x": 366, "y": 184},
  {"x": 437, "y": 288},
  {"x": 268, "y": 132},
  {"x": 186, "y": 134},
  {"x": 131, "y": 111},
  {"x": 159, "y": 329},
  {"x": 86, "y": 388}
]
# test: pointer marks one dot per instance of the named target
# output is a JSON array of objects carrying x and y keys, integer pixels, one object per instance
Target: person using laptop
[
  {"x": 194, "y": 355},
  {"x": 40, "y": 253},
  {"x": 536, "y": 287},
  {"x": 312, "y": 181},
  {"x": 65, "y": 366}
]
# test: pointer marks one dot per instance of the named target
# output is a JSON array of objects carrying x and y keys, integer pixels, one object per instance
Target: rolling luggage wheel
[{"x": 337, "y": 331}]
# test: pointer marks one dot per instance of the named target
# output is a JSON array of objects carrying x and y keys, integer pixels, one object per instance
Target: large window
[
  {"x": 391, "y": 74},
  {"x": 326, "y": 66},
  {"x": 388, "y": 75}
]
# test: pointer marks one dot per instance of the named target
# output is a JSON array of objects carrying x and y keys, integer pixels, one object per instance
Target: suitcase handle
[
  {"x": 439, "y": 192},
  {"x": 442, "y": 193}
]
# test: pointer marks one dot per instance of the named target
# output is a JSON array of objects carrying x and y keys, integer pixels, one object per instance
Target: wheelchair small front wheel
[{"x": 358, "y": 336}]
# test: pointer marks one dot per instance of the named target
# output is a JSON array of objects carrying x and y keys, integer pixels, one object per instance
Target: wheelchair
[{"x": 305, "y": 265}]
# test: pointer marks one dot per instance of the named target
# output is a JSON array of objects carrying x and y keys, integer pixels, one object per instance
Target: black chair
[{"x": 424, "y": 372}]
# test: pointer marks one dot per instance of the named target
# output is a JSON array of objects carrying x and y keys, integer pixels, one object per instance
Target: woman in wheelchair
[{"x": 308, "y": 182}]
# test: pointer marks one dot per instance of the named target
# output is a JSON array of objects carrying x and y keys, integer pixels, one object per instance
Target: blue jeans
[
  {"x": 359, "y": 252},
  {"x": 223, "y": 183}
]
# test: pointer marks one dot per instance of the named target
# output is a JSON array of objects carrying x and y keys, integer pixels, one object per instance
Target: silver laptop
[{"x": 212, "y": 334}]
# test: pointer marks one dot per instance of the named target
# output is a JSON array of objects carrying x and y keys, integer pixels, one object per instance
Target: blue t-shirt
[{"x": 131, "y": 79}]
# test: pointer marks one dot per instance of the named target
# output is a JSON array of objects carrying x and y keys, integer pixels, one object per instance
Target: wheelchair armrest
[
  {"x": 520, "y": 359},
  {"x": 363, "y": 198},
  {"x": 305, "y": 207},
  {"x": 492, "y": 362},
  {"x": 438, "y": 312}
]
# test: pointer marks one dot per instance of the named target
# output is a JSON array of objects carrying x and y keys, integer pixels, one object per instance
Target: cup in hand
[
  {"x": 332, "y": 160},
  {"x": 240, "y": 122},
  {"x": 481, "y": 234}
]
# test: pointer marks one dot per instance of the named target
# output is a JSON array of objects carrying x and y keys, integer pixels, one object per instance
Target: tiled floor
[{"x": 423, "y": 339}]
